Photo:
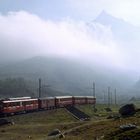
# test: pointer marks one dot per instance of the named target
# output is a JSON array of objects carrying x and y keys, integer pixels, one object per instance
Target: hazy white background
[{"x": 66, "y": 28}]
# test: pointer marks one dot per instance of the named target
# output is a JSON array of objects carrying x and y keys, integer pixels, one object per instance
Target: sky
[
  {"x": 59, "y": 28},
  {"x": 76, "y": 9}
]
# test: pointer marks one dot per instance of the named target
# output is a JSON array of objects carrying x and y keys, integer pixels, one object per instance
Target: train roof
[
  {"x": 12, "y": 101},
  {"x": 60, "y": 97},
  {"x": 79, "y": 96},
  {"x": 19, "y": 98},
  {"x": 84, "y": 96},
  {"x": 90, "y": 97},
  {"x": 44, "y": 98}
]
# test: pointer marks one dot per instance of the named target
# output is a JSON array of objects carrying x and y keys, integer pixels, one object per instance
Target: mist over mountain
[
  {"x": 71, "y": 55},
  {"x": 66, "y": 76},
  {"x": 121, "y": 29}
]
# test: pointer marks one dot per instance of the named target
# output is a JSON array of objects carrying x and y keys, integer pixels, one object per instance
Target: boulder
[
  {"x": 61, "y": 136},
  {"x": 5, "y": 121},
  {"x": 95, "y": 110},
  {"x": 127, "y": 110},
  {"x": 54, "y": 132},
  {"x": 108, "y": 109},
  {"x": 128, "y": 127},
  {"x": 112, "y": 116}
]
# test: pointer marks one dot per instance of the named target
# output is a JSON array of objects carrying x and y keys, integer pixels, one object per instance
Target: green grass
[
  {"x": 137, "y": 103},
  {"x": 101, "y": 112},
  {"x": 37, "y": 125},
  {"x": 121, "y": 135}
]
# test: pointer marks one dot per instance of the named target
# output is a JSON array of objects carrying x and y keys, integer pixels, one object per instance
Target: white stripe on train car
[
  {"x": 12, "y": 101},
  {"x": 63, "y": 97}
]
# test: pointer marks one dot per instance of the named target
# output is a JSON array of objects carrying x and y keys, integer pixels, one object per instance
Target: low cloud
[{"x": 24, "y": 35}]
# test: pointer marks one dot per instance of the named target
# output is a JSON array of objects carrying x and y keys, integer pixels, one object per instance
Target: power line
[
  {"x": 115, "y": 92},
  {"x": 94, "y": 94},
  {"x": 108, "y": 96},
  {"x": 39, "y": 87}
]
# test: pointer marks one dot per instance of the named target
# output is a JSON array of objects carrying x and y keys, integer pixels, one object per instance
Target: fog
[
  {"x": 105, "y": 49},
  {"x": 24, "y": 35}
]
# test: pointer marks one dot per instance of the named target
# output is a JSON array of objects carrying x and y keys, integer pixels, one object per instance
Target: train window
[
  {"x": 31, "y": 102},
  {"x": 65, "y": 99},
  {"x": 15, "y": 104},
  {"x": 1, "y": 106},
  {"x": 44, "y": 102},
  {"x": 23, "y": 103},
  {"x": 27, "y": 103},
  {"x": 5, "y": 105},
  {"x": 18, "y": 103}
]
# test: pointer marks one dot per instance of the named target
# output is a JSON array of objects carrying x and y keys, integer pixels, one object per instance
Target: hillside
[{"x": 64, "y": 76}]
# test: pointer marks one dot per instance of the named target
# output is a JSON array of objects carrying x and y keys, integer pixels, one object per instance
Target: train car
[
  {"x": 47, "y": 103},
  {"x": 62, "y": 101},
  {"x": 79, "y": 100},
  {"x": 16, "y": 106},
  {"x": 27, "y": 104},
  {"x": 91, "y": 100}
]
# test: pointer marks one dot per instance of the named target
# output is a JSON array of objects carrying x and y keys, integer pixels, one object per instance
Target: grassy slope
[{"x": 37, "y": 125}]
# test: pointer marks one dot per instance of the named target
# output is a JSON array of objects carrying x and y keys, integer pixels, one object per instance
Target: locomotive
[{"x": 18, "y": 105}]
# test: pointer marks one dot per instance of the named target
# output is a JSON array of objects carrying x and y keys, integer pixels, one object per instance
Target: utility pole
[
  {"x": 115, "y": 91},
  {"x": 104, "y": 97},
  {"x": 39, "y": 87},
  {"x": 109, "y": 97},
  {"x": 94, "y": 94}
]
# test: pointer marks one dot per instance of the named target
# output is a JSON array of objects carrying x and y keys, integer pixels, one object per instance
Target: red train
[{"x": 27, "y": 104}]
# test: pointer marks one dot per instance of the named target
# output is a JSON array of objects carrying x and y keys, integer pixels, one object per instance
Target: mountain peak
[
  {"x": 119, "y": 27},
  {"x": 103, "y": 13},
  {"x": 107, "y": 19}
]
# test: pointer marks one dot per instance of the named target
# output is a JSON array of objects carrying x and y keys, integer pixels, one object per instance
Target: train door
[
  {"x": 24, "y": 105},
  {"x": 1, "y": 107}
]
